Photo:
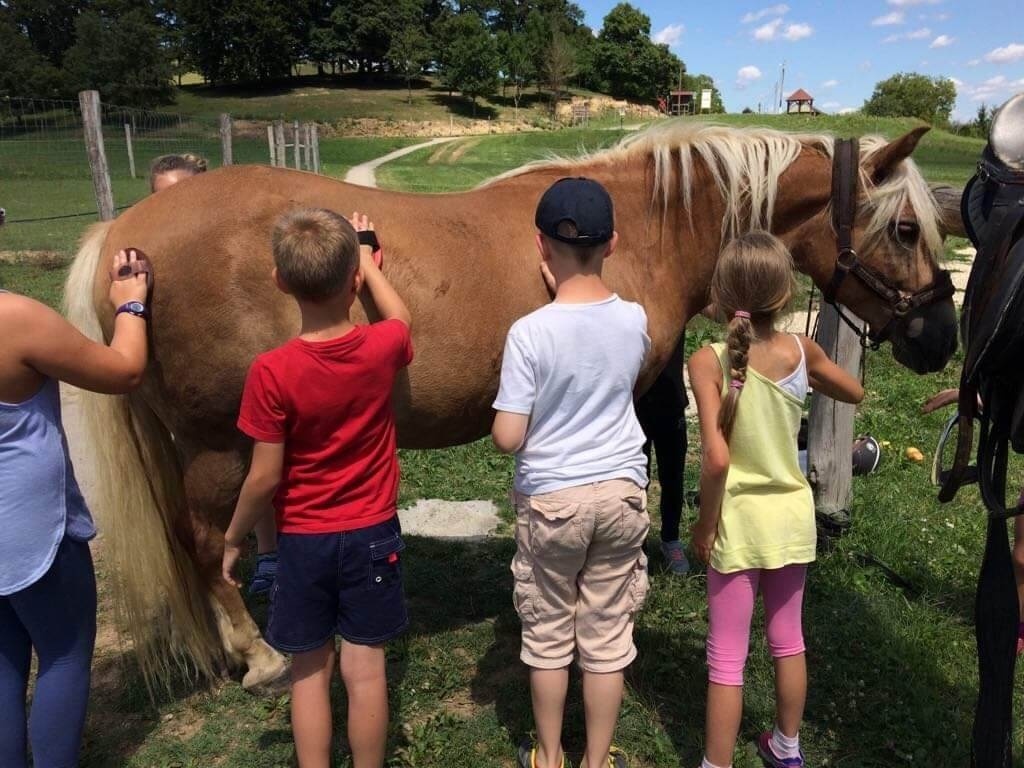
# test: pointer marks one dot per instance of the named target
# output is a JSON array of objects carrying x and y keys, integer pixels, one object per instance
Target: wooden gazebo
[
  {"x": 681, "y": 102},
  {"x": 800, "y": 102}
]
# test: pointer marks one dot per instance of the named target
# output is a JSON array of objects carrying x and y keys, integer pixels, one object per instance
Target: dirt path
[{"x": 365, "y": 174}]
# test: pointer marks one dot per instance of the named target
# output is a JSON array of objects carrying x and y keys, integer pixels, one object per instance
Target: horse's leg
[{"x": 212, "y": 480}]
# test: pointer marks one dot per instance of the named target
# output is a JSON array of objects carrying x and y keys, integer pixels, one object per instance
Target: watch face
[{"x": 135, "y": 307}]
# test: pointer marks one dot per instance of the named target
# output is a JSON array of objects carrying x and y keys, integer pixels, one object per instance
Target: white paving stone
[{"x": 438, "y": 519}]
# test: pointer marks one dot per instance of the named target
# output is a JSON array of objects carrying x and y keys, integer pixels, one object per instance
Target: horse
[{"x": 169, "y": 458}]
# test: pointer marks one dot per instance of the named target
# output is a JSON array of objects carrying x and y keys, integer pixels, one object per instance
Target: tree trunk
[{"x": 320, "y": 69}]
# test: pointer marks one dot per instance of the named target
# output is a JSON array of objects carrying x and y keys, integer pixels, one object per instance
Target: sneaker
[
  {"x": 264, "y": 575},
  {"x": 616, "y": 758},
  {"x": 764, "y": 749},
  {"x": 528, "y": 755},
  {"x": 675, "y": 557}
]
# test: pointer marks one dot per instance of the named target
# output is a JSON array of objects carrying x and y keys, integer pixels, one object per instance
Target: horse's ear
[{"x": 883, "y": 162}]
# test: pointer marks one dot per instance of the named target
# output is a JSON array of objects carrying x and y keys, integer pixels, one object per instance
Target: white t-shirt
[{"x": 572, "y": 369}]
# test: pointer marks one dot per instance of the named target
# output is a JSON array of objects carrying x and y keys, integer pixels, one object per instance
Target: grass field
[{"x": 892, "y": 668}]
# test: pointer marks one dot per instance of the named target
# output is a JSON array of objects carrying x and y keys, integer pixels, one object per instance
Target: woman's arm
[
  {"x": 51, "y": 345},
  {"x": 706, "y": 384},
  {"x": 828, "y": 378}
]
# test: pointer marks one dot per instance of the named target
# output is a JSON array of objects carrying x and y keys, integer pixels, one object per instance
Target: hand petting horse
[{"x": 466, "y": 266}]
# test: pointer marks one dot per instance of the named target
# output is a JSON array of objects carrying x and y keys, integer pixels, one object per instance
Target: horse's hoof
[{"x": 270, "y": 683}]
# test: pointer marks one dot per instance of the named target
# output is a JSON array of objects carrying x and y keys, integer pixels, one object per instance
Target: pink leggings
[{"x": 730, "y": 607}]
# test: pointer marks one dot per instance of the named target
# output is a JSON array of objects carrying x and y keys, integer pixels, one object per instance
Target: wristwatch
[{"x": 136, "y": 308}]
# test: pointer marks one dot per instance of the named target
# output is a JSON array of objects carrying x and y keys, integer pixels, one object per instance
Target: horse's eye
[{"x": 907, "y": 232}]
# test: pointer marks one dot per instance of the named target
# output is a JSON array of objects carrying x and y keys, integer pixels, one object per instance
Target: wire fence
[{"x": 45, "y": 179}]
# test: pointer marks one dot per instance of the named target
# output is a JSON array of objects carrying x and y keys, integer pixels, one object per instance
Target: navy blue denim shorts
[{"x": 347, "y": 584}]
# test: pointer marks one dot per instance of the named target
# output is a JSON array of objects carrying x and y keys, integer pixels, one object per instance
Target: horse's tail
[{"x": 139, "y": 499}]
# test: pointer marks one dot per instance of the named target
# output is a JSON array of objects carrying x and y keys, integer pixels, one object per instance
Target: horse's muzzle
[{"x": 926, "y": 338}]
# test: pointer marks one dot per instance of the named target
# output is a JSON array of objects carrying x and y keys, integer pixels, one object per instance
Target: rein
[{"x": 845, "y": 189}]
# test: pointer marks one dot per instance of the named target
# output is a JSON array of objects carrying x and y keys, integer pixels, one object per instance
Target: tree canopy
[{"x": 913, "y": 95}]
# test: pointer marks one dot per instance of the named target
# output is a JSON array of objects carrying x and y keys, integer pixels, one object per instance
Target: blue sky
[{"x": 837, "y": 51}]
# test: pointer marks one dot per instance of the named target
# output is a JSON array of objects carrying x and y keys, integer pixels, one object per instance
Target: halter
[{"x": 845, "y": 187}]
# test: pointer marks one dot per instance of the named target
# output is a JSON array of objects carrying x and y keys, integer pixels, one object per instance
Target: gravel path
[{"x": 365, "y": 174}]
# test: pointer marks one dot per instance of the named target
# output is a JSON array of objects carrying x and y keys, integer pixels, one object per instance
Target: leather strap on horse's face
[{"x": 845, "y": 190}]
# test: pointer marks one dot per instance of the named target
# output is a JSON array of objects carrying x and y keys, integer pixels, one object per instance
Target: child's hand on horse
[
  {"x": 126, "y": 286},
  {"x": 232, "y": 554}
]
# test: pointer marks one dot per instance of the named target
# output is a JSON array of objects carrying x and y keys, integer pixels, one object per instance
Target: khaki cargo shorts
[{"x": 581, "y": 574}]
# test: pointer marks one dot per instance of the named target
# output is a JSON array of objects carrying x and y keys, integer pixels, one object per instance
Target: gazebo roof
[{"x": 800, "y": 95}]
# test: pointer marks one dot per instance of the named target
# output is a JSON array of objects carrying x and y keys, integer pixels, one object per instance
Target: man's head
[
  {"x": 168, "y": 170},
  {"x": 576, "y": 222},
  {"x": 316, "y": 254}
]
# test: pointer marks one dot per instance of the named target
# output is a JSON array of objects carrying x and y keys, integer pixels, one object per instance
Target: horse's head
[{"x": 874, "y": 249}]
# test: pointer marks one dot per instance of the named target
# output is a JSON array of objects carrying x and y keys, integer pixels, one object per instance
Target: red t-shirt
[{"x": 329, "y": 402}]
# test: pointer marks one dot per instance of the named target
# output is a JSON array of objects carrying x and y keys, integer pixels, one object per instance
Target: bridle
[{"x": 845, "y": 188}]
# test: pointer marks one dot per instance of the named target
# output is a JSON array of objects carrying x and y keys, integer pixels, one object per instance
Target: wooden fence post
[
  {"x": 316, "y": 148},
  {"x": 92, "y": 124},
  {"x": 298, "y": 142},
  {"x": 307, "y": 142},
  {"x": 279, "y": 145},
  {"x": 830, "y": 426},
  {"x": 270, "y": 144},
  {"x": 131, "y": 154},
  {"x": 226, "y": 156}
]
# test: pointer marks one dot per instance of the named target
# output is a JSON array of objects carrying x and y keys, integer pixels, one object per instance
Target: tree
[
  {"x": 983, "y": 122},
  {"x": 913, "y": 95},
  {"x": 627, "y": 64},
  {"x": 122, "y": 59},
  {"x": 49, "y": 25},
  {"x": 698, "y": 83},
  {"x": 369, "y": 26},
  {"x": 471, "y": 64},
  {"x": 516, "y": 64},
  {"x": 23, "y": 70},
  {"x": 409, "y": 52},
  {"x": 559, "y": 66}
]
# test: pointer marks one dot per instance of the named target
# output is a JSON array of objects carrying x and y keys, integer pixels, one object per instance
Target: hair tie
[
  {"x": 736, "y": 384},
  {"x": 741, "y": 313}
]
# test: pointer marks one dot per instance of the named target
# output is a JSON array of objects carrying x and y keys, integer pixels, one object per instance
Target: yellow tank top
[{"x": 767, "y": 516}]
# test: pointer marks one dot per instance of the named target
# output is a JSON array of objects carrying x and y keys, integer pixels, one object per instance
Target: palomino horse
[{"x": 467, "y": 267}]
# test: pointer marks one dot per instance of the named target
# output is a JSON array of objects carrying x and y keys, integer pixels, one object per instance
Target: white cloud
[
  {"x": 774, "y": 30},
  {"x": 831, "y": 105},
  {"x": 768, "y": 31},
  {"x": 830, "y": 84},
  {"x": 1006, "y": 54},
  {"x": 973, "y": 62},
  {"x": 848, "y": 110},
  {"x": 995, "y": 90},
  {"x": 942, "y": 41},
  {"x": 669, "y": 35},
  {"x": 918, "y": 34},
  {"x": 798, "y": 31},
  {"x": 747, "y": 75},
  {"x": 896, "y": 17},
  {"x": 775, "y": 10}
]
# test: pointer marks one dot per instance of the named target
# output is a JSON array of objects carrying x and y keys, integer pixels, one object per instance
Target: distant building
[
  {"x": 681, "y": 102},
  {"x": 800, "y": 102}
]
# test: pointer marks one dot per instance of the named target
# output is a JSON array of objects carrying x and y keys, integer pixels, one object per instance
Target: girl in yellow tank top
[{"x": 756, "y": 526}]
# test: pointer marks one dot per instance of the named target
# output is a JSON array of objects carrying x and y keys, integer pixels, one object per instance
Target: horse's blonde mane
[{"x": 746, "y": 164}]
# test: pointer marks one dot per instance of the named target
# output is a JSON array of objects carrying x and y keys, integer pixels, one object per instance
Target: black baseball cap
[{"x": 582, "y": 202}]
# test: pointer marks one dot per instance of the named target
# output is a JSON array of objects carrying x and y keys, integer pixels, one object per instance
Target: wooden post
[
  {"x": 307, "y": 147},
  {"x": 316, "y": 148},
  {"x": 128, "y": 142},
  {"x": 270, "y": 144},
  {"x": 830, "y": 427},
  {"x": 298, "y": 142},
  {"x": 92, "y": 124},
  {"x": 226, "y": 157},
  {"x": 279, "y": 145}
]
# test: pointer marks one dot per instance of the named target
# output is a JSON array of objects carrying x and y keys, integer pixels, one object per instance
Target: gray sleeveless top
[{"x": 40, "y": 499}]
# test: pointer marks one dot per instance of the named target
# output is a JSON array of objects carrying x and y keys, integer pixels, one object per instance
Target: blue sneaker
[
  {"x": 675, "y": 557},
  {"x": 764, "y": 750},
  {"x": 264, "y": 575}
]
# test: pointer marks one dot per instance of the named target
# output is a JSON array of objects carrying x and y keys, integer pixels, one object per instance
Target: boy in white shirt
[{"x": 565, "y": 408}]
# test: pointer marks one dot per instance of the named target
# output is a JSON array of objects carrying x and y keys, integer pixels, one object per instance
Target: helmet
[{"x": 867, "y": 453}]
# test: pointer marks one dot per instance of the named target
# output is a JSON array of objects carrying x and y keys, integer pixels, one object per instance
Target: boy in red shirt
[{"x": 324, "y": 456}]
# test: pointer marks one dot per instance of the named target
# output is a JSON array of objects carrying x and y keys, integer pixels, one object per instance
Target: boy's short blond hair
[{"x": 316, "y": 252}]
